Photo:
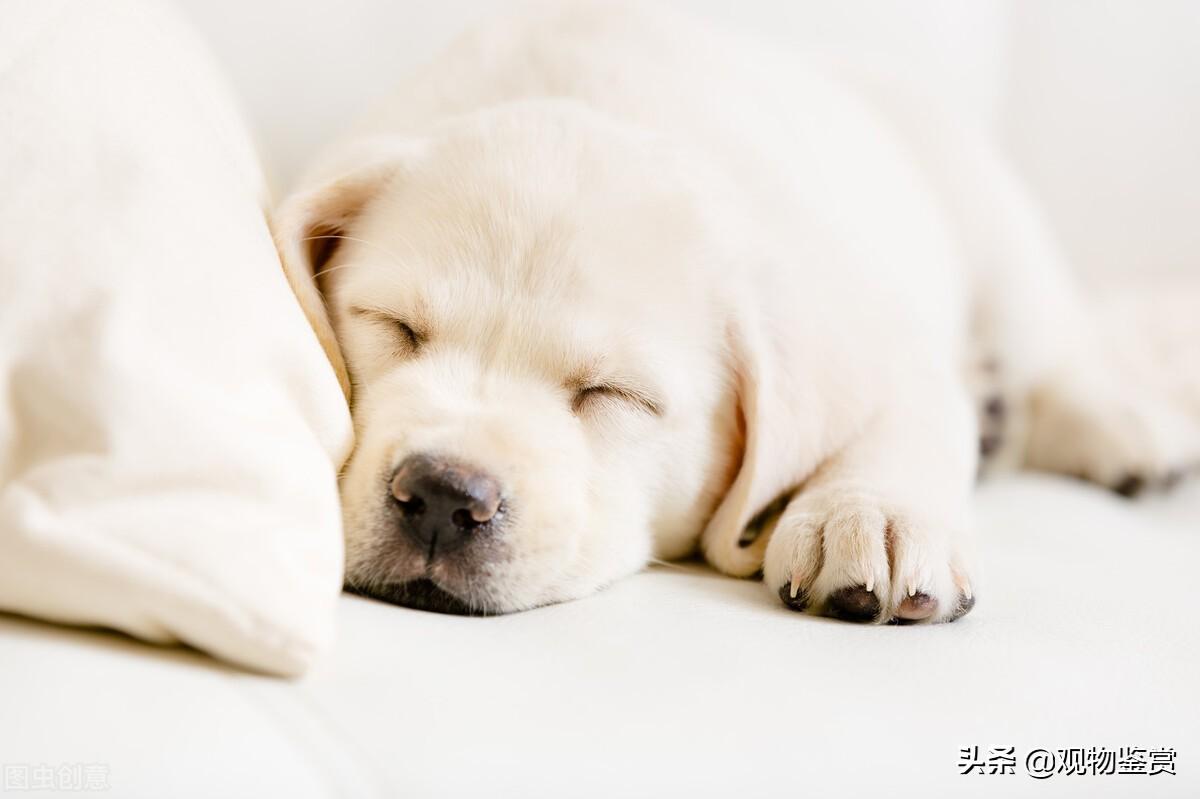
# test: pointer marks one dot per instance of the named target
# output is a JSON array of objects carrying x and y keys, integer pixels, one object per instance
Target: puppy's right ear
[{"x": 311, "y": 221}]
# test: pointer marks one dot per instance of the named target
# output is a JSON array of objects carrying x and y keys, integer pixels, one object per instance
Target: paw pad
[
  {"x": 918, "y": 607},
  {"x": 1130, "y": 486},
  {"x": 854, "y": 603}
]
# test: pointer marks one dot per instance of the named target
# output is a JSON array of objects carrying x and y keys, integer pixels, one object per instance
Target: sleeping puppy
[{"x": 605, "y": 286}]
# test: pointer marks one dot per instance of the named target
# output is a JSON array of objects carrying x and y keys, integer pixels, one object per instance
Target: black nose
[{"x": 442, "y": 502}]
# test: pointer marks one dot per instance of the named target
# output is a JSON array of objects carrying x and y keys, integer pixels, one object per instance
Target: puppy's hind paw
[{"x": 1126, "y": 441}]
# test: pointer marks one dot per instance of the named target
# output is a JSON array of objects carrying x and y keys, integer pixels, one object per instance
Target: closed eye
[
  {"x": 405, "y": 334},
  {"x": 595, "y": 394}
]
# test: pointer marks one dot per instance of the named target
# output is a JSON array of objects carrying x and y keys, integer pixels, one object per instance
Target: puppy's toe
[
  {"x": 1130, "y": 485},
  {"x": 964, "y": 606},
  {"x": 918, "y": 607},
  {"x": 796, "y": 599},
  {"x": 854, "y": 603}
]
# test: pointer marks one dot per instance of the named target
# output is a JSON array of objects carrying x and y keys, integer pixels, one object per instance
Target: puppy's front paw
[{"x": 847, "y": 554}]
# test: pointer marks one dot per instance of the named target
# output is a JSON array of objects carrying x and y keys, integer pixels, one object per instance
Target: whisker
[
  {"x": 364, "y": 242},
  {"x": 329, "y": 269}
]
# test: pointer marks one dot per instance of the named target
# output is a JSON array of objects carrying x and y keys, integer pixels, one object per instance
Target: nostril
[
  {"x": 411, "y": 506},
  {"x": 464, "y": 520},
  {"x": 402, "y": 491}
]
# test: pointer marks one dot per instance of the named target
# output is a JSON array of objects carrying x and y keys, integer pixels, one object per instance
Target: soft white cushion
[{"x": 168, "y": 423}]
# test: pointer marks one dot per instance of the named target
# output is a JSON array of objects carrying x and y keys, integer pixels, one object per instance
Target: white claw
[
  {"x": 912, "y": 590},
  {"x": 870, "y": 583},
  {"x": 795, "y": 585}
]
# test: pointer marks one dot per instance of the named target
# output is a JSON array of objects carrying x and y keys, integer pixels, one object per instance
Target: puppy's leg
[
  {"x": 1061, "y": 383},
  {"x": 880, "y": 532},
  {"x": 1097, "y": 390},
  {"x": 1075, "y": 386}
]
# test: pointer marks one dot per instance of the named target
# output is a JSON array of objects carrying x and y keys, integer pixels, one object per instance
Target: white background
[{"x": 1096, "y": 101}]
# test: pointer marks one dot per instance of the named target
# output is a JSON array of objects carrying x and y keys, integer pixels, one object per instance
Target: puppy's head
[{"x": 537, "y": 352}]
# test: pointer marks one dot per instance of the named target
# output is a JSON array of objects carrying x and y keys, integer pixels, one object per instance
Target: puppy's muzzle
[{"x": 444, "y": 504}]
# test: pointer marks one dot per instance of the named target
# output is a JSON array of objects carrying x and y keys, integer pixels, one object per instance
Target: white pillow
[{"x": 169, "y": 427}]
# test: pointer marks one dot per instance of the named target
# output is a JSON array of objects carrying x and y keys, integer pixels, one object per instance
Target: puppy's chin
[{"x": 423, "y": 594}]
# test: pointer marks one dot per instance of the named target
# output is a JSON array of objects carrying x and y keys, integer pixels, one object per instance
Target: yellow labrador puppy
[{"x": 605, "y": 286}]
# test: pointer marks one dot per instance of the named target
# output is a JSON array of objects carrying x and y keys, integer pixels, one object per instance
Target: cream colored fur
[{"x": 799, "y": 275}]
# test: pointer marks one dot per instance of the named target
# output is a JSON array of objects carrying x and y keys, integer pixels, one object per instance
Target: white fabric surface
[
  {"x": 168, "y": 422},
  {"x": 671, "y": 683}
]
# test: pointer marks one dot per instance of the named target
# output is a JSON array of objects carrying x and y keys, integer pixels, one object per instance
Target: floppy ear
[
  {"x": 768, "y": 464},
  {"x": 308, "y": 224}
]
